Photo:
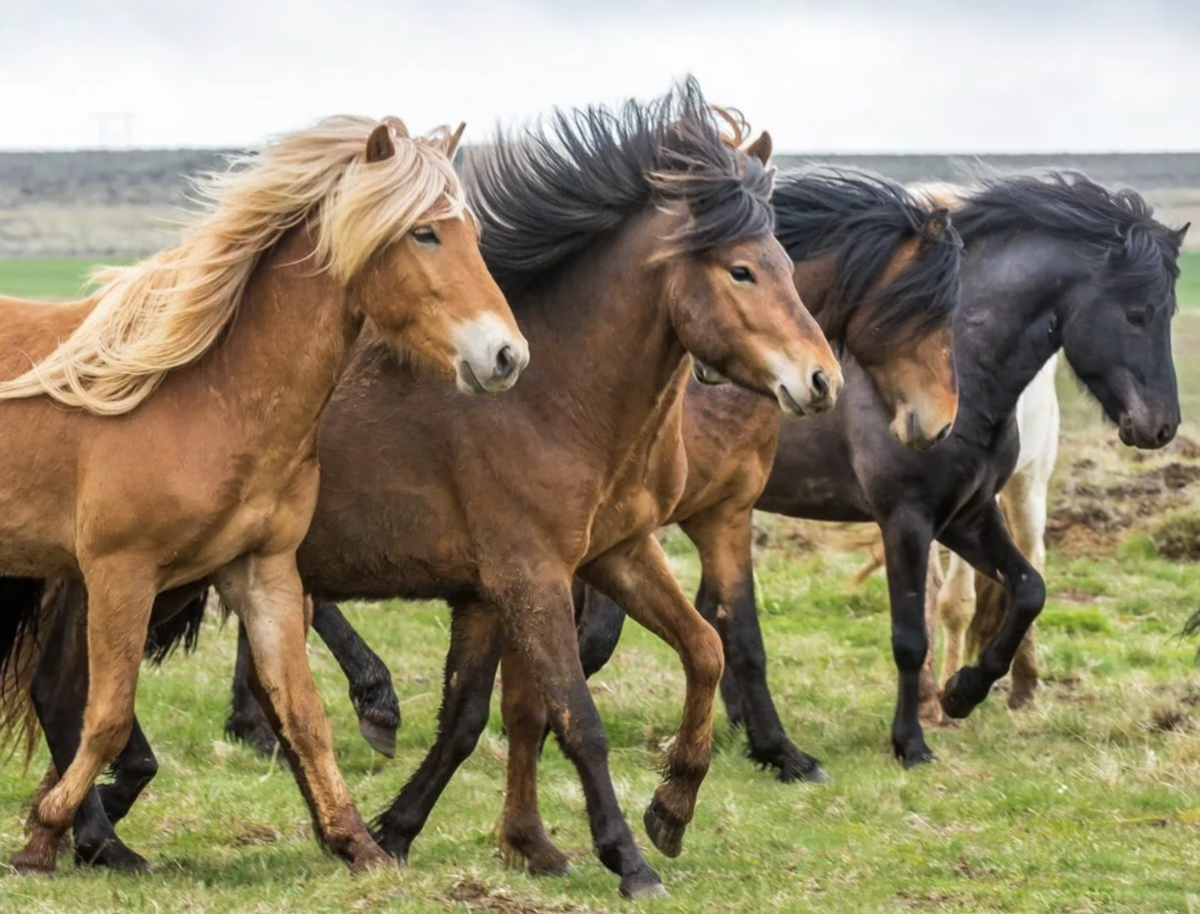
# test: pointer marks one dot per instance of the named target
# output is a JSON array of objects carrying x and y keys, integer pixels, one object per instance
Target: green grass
[
  {"x": 44, "y": 278},
  {"x": 1087, "y": 802}
]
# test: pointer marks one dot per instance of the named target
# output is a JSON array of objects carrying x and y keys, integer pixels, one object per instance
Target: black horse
[{"x": 1053, "y": 262}]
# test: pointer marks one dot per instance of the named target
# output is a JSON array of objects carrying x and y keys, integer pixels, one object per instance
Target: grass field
[{"x": 1089, "y": 802}]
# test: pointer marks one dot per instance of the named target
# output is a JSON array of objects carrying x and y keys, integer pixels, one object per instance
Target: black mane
[
  {"x": 549, "y": 193},
  {"x": 1139, "y": 253},
  {"x": 865, "y": 219}
]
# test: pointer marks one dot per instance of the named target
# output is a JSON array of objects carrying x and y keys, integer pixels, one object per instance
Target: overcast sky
[{"x": 821, "y": 75}]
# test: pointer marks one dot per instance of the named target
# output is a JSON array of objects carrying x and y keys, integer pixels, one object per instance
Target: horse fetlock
[{"x": 964, "y": 692}]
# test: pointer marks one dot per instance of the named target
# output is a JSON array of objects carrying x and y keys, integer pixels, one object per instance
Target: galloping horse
[
  {"x": 166, "y": 431},
  {"x": 1052, "y": 263},
  {"x": 625, "y": 241}
]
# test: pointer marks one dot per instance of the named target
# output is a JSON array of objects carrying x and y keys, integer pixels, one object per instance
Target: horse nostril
[
  {"x": 820, "y": 385},
  {"x": 1165, "y": 434},
  {"x": 943, "y": 434},
  {"x": 506, "y": 361}
]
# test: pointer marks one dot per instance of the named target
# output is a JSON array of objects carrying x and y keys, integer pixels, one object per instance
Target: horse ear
[
  {"x": 761, "y": 148},
  {"x": 455, "y": 138},
  {"x": 1179, "y": 234},
  {"x": 380, "y": 145},
  {"x": 936, "y": 223}
]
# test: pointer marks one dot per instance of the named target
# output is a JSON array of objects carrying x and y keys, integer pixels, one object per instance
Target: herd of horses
[{"x": 267, "y": 410}]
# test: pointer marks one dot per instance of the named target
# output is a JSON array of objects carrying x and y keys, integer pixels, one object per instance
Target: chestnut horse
[
  {"x": 166, "y": 431},
  {"x": 1050, "y": 263},
  {"x": 625, "y": 241}
]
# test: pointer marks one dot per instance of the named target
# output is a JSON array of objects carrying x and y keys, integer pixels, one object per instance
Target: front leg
[
  {"x": 983, "y": 540},
  {"x": 726, "y": 600},
  {"x": 906, "y": 538},
  {"x": 636, "y": 576},
  {"x": 467, "y": 684}
]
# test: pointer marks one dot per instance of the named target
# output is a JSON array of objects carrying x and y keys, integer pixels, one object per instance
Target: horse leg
[
  {"x": 371, "y": 691},
  {"x": 638, "y": 578},
  {"x": 1024, "y": 504},
  {"x": 134, "y": 767},
  {"x": 266, "y": 593},
  {"x": 956, "y": 608},
  {"x": 931, "y": 705},
  {"x": 727, "y": 602},
  {"x": 120, "y": 597},
  {"x": 907, "y": 538},
  {"x": 539, "y": 624},
  {"x": 522, "y": 834},
  {"x": 984, "y": 541},
  {"x": 467, "y": 684},
  {"x": 598, "y": 623},
  {"x": 247, "y": 721}
]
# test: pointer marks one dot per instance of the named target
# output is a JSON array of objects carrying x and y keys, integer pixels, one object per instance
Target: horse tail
[
  {"x": 183, "y": 628},
  {"x": 1192, "y": 627},
  {"x": 21, "y": 601}
]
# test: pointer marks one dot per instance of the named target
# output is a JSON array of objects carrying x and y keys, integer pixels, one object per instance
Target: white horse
[{"x": 952, "y": 598}]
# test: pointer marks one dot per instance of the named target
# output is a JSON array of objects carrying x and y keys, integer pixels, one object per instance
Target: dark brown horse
[
  {"x": 625, "y": 241},
  {"x": 1051, "y": 263}
]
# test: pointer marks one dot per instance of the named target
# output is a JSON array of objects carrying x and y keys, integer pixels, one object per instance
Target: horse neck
[
  {"x": 1015, "y": 290},
  {"x": 279, "y": 361},
  {"x": 605, "y": 345},
  {"x": 814, "y": 279}
]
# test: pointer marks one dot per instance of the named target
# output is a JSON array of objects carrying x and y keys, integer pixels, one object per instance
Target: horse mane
[
  {"x": 167, "y": 311},
  {"x": 1139, "y": 253},
  {"x": 548, "y": 193},
  {"x": 865, "y": 219}
]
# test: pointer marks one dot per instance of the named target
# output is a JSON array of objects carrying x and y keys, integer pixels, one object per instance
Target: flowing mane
[
  {"x": 166, "y": 312},
  {"x": 864, "y": 219},
  {"x": 549, "y": 193},
  {"x": 1139, "y": 253}
]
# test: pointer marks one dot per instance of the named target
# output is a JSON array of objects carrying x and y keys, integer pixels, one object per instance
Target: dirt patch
[
  {"x": 1177, "y": 536},
  {"x": 475, "y": 896}
]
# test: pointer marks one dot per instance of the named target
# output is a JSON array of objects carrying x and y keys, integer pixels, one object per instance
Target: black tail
[
  {"x": 1192, "y": 627},
  {"x": 20, "y": 609},
  {"x": 182, "y": 628}
]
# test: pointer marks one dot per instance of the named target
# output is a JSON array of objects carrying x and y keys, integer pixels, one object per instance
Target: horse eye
[
  {"x": 1137, "y": 318},
  {"x": 741, "y": 274},
  {"x": 425, "y": 235}
]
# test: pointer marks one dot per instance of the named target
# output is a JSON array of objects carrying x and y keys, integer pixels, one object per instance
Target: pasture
[{"x": 1090, "y": 801}]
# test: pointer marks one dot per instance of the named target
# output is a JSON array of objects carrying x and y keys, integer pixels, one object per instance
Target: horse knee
[
  {"x": 707, "y": 658},
  {"x": 909, "y": 648},
  {"x": 109, "y": 733},
  {"x": 466, "y": 735},
  {"x": 1028, "y": 597},
  {"x": 143, "y": 767}
]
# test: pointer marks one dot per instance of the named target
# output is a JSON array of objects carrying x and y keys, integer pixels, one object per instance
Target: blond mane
[{"x": 167, "y": 311}]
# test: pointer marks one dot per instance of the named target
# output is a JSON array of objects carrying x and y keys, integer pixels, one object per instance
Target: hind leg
[
  {"x": 121, "y": 596},
  {"x": 371, "y": 689},
  {"x": 931, "y": 706},
  {"x": 265, "y": 592},
  {"x": 247, "y": 722},
  {"x": 956, "y": 608}
]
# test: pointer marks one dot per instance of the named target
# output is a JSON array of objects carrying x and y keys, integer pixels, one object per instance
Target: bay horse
[
  {"x": 624, "y": 240},
  {"x": 881, "y": 271},
  {"x": 1051, "y": 263},
  {"x": 163, "y": 430}
]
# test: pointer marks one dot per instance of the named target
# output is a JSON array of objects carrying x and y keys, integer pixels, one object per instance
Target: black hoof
[
  {"x": 394, "y": 846},
  {"x": 913, "y": 752},
  {"x": 961, "y": 695},
  {"x": 256, "y": 735},
  {"x": 793, "y": 766},
  {"x": 381, "y": 739},
  {"x": 111, "y": 854},
  {"x": 642, "y": 884},
  {"x": 667, "y": 836}
]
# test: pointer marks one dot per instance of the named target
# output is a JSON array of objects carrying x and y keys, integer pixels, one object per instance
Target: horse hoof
[
  {"x": 112, "y": 855},
  {"x": 817, "y": 775},
  {"x": 667, "y": 836},
  {"x": 559, "y": 867},
  {"x": 33, "y": 863},
  {"x": 381, "y": 738},
  {"x": 955, "y": 700},
  {"x": 369, "y": 859},
  {"x": 642, "y": 884},
  {"x": 919, "y": 757},
  {"x": 1020, "y": 698}
]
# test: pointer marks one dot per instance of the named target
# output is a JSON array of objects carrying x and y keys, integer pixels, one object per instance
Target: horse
[
  {"x": 624, "y": 240},
  {"x": 163, "y": 430},
  {"x": 969, "y": 614},
  {"x": 1053, "y": 262},
  {"x": 880, "y": 270}
]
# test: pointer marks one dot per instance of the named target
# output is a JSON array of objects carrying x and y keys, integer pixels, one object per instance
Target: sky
[{"x": 822, "y": 76}]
